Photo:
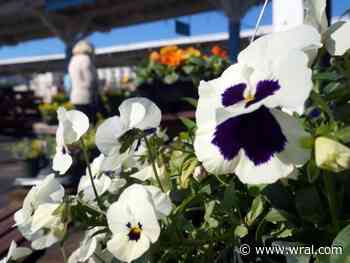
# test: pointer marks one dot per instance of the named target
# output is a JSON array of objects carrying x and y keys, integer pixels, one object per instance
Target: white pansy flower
[
  {"x": 331, "y": 155},
  {"x": 47, "y": 225},
  {"x": 15, "y": 253},
  {"x": 102, "y": 184},
  {"x": 335, "y": 37},
  {"x": 135, "y": 113},
  {"x": 160, "y": 201},
  {"x": 101, "y": 164},
  {"x": 102, "y": 181},
  {"x": 239, "y": 131},
  {"x": 71, "y": 126},
  {"x": 105, "y": 255},
  {"x": 134, "y": 225},
  {"x": 88, "y": 246},
  {"x": 48, "y": 192}
]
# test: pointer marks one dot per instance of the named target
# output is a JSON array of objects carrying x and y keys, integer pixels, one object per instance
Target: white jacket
[{"x": 84, "y": 79}]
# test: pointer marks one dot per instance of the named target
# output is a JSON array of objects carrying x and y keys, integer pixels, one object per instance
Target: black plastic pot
[
  {"x": 169, "y": 97},
  {"x": 33, "y": 166}
]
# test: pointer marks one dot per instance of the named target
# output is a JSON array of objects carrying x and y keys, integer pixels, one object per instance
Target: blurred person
[{"x": 84, "y": 94}]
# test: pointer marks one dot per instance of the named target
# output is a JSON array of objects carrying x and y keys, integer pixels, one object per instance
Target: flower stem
[
  {"x": 153, "y": 161},
  {"x": 332, "y": 202},
  {"x": 64, "y": 255},
  {"x": 86, "y": 158}
]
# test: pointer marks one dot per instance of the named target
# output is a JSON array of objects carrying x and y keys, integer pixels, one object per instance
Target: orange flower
[
  {"x": 154, "y": 56},
  {"x": 172, "y": 56},
  {"x": 168, "y": 49},
  {"x": 218, "y": 51}
]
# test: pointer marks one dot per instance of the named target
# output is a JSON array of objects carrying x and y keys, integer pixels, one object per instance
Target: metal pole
[
  {"x": 234, "y": 39},
  {"x": 329, "y": 11}
]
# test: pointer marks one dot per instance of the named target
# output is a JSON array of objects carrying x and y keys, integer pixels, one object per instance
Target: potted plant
[
  {"x": 32, "y": 152},
  {"x": 173, "y": 73}
]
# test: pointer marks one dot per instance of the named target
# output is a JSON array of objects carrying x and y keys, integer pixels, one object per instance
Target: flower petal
[
  {"x": 316, "y": 14},
  {"x": 72, "y": 125},
  {"x": 209, "y": 154},
  {"x": 337, "y": 38},
  {"x": 43, "y": 216},
  {"x": 266, "y": 173},
  {"x": 126, "y": 250},
  {"x": 208, "y": 114},
  {"x": 62, "y": 162},
  {"x": 107, "y": 135},
  {"x": 161, "y": 201},
  {"x": 295, "y": 79},
  {"x": 140, "y": 113},
  {"x": 262, "y": 51},
  {"x": 293, "y": 153}
]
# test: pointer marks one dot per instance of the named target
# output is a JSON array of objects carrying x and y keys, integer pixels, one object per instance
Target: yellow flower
[
  {"x": 331, "y": 155},
  {"x": 192, "y": 52}
]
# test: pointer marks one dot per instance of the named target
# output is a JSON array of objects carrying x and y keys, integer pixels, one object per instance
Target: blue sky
[{"x": 209, "y": 22}]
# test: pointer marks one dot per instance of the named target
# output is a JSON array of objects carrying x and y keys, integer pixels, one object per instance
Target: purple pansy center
[
  {"x": 258, "y": 133},
  {"x": 134, "y": 233},
  {"x": 235, "y": 94}
]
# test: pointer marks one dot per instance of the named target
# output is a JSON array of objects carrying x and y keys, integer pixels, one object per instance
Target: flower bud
[
  {"x": 331, "y": 155},
  {"x": 199, "y": 173}
]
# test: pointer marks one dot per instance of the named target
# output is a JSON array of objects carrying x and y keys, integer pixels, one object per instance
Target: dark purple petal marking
[
  {"x": 264, "y": 89},
  {"x": 258, "y": 133},
  {"x": 233, "y": 95},
  {"x": 134, "y": 232}
]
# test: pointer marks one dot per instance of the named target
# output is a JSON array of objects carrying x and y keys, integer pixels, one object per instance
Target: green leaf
[
  {"x": 171, "y": 78},
  {"x": 128, "y": 139},
  {"x": 188, "y": 69},
  {"x": 307, "y": 142},
  {"x": 190, "y": 124},
  {"x": 342, "y": 241},
  {"x": 308, "y": 204},
  {"x": 331, "y": 76},
  {"x": 241, "y": 231},
  {"x": 343, "y": 134},
  {"x": 209, "y": 209},
  {"x": 274, "y": 216},
  {"x": 231, "y": 199},
  {"x": 256, "y": 209},
  {"x": 191, "y": 101},
  {"x": 279, "y": 197},
  {"x": 321, "y": 103}
]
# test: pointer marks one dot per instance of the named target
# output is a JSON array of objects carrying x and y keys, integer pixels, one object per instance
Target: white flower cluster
[{"x": 132, "y": 220}]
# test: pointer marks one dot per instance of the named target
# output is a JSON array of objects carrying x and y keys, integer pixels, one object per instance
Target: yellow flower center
[{"x": 249, "y": 97}]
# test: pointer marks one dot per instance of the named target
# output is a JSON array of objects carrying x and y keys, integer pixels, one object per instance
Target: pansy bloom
[
  {"x": 133, "y": 223},
  {"x": 239, "y": 129},
  {"x": 72, "y": 125},
  {"x": 135, "y": 113}
]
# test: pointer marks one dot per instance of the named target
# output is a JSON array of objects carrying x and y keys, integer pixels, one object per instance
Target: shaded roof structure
[
  {"x": 121, "y": 55},
  {"x": 24, "y": 20}
]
